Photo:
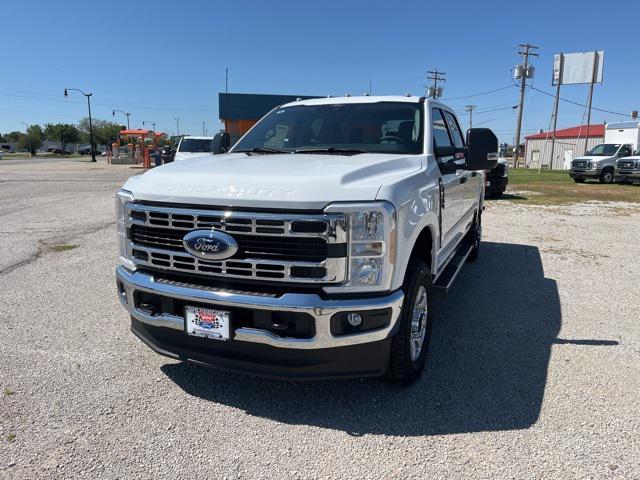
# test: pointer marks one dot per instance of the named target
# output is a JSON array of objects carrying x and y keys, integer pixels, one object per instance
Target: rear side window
[
  {"x": 454, "y": 128},
  {"x": 440, "y": 132}
]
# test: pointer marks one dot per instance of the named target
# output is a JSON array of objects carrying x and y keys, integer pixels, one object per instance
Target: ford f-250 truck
[
  {"x": 620, "y": 140},
  {"x": 314, "y": 247}
]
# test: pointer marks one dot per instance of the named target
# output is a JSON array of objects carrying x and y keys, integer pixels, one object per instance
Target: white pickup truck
[
  {"x": 600, "y": 163},
  {"x": 314, "y": 247}
]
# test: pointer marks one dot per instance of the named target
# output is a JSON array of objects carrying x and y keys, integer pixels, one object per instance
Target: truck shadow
[{"x": 486, "y": 370}]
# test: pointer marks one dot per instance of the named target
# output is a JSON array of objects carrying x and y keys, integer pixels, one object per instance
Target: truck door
[
  {"x": 470, "y": 182},
  {"x": 451, "y": 195}
]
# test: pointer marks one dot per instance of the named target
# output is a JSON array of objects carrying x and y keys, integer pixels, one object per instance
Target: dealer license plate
[{"x": 207, "y": 323}]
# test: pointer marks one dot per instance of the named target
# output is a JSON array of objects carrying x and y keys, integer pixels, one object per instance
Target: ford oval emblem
[{"x": 210, "y": 244}]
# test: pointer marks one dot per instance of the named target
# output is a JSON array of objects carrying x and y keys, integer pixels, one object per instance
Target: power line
[
  {"x": 580, "y": 104},
  {"x": 480, "y": 93}
]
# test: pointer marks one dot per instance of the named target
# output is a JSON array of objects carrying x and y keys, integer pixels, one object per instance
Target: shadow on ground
[{"x": 486, "y": 370}]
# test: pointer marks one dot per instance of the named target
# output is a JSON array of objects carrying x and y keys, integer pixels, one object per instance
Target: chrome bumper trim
[{"x": 320, "y": 309}]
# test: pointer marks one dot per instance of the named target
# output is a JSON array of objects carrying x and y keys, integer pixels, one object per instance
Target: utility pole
[
  {"x": 555, "y": 112},
  {"x": 469, "y": 109},
  {"x": 203, "y": 129},
  {"x": 523, "y": 72},
  {"x": 436, "y": 76},
  {"x": 178, "y": 125}
]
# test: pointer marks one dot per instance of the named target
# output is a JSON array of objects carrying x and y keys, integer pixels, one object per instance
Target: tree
[
  {"x": 104, "y": 131},
  {"x": 12, "y": 136},
  {"x": 62, "y": 132},
  {"x": 32, "y": 140}
]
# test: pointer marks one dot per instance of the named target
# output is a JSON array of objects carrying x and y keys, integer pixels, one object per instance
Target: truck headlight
[
  {"x": 371, "y": 237},
  {"x": 122, "y": 197}
]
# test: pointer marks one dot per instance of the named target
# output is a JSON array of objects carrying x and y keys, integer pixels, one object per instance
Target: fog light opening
[{"x": 354, "y": 319}]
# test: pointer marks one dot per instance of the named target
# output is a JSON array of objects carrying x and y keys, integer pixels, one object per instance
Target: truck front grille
[
  {"x": 284, "y": 247},
  {"x": 580, "y": 164},
  {"x": 627, "y": 166}
]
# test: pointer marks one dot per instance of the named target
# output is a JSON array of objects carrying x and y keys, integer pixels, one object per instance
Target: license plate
[
  {"x": 487, "y": 184},
  {"x": 207, "y": 323}
]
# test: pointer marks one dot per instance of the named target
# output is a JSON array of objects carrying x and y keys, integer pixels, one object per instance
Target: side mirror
[
  {"x": 220, "y": 143},
  {"x": 482, "y": 149}
]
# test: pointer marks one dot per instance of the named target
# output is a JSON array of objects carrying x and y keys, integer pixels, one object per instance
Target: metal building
[
  {"x": 240, "y": 111},
  {"x": 570, "y": 143}
]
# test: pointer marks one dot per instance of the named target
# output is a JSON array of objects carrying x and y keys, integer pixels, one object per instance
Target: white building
[{"x": 570, "y": 143}]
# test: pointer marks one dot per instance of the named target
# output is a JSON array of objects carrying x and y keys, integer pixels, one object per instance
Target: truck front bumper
[
  {"x": 627, "y": 176},
  {"x": 592, "y": 173},
  {"x": 258, "y": 351},
  {"x": 494, "y": 185}
]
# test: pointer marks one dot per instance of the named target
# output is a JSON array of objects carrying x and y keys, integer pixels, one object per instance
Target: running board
[{"x": 447, "y": 277}]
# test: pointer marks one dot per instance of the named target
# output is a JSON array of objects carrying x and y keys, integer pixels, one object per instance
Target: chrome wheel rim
[
  {"x": 608, "y": 177},
  {"x": 418, "y": 323}
]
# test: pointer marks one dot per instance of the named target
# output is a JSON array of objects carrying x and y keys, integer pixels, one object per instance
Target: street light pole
[
  {"x": 178, "y": 125},
  {"x": 153, "y": 124},
  {"x": 88, "y": 95},
  {"x": 122, "y": 111}
]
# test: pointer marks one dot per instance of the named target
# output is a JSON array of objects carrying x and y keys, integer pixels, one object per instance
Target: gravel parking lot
[{"x": 533, "y": 372}]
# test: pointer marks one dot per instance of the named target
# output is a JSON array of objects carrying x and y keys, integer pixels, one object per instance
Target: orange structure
[{"x": 140, "y": 143}]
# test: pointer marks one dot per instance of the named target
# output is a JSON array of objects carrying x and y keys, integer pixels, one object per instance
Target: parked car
[
  {"x": 190, "y": 146},
  {"x": 313, "y": 248},
  {"x": 620, "y": 140},
  {"x": 497, "y": 179}
]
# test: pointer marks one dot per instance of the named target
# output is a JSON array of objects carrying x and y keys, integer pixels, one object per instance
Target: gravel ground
[{"x": 533, "y": 371}]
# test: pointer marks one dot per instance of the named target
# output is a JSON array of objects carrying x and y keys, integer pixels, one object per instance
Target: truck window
[
  {"x": 441, "y": 136},
  {"x": 383, "y": 127},
  {"x": 454, "y": 128},
  {"x": 625, "y": 151}
]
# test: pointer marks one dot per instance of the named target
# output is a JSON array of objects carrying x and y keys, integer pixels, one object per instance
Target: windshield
[
  {"x": 604, "y": 150},
  {"x": 385, "y": 127},
  {"x": 195, "y": 145}
]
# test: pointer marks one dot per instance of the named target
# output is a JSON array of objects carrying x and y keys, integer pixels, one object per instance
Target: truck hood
[
  {"x": 596, "y": 158},
  {"x": 293, "y": 181},
  {"x": 185, "y": 155}
]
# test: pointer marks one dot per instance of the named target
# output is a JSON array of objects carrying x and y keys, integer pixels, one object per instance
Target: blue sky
[{"x": 161, "y": 60}]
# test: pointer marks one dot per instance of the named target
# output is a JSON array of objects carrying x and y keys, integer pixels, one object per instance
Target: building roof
[
  {"x": 572, "y": 132},
  {"x": 251, "y": 106}
]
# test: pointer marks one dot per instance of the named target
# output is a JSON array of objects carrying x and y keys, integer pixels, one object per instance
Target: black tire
[
  {"x": 476, "y": 233},
  {"x": 578, "y": 180},
  {"x": 606, "y": 176},
  {"x": 403, "y": 369},
  {"x": 496, "y": 195}
]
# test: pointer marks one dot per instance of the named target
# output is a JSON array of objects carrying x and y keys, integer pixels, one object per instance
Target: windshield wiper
[
  {"x": 337, "y": 150},
  {"x": 260, "y": 150}
]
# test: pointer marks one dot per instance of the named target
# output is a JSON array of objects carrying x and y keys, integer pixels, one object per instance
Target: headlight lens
[
  {"x": 122, "y": 197},
  {"x": 372, "y": 239}
]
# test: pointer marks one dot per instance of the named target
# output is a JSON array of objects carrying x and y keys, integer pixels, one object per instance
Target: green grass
[{"x": 555, "y": 187}]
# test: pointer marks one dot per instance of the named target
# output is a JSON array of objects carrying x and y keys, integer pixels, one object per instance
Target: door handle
[{"x": 463, "y": 180}]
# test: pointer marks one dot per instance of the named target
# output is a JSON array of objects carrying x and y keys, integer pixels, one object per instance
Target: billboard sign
[{"x": 575, "y": 68}]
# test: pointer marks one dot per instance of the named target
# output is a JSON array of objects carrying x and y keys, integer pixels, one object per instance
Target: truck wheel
[
  {"x": 409, "y": 346},
  {"x": 578, "y": 180},
  {"x": 476, "y": 234},
  {"x": 606, "y": 176}
]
